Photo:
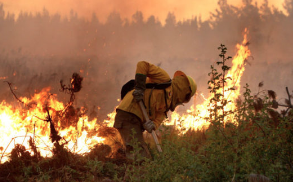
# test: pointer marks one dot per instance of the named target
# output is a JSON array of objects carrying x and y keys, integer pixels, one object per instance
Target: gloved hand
[
  {"x": 140, "y": 87},
  {"x": 138, "y": 94},
  {"x": 149, "y": 126}
]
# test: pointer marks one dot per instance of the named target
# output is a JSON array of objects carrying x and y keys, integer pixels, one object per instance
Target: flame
[
  {"x": 27, "y": 120},
  {"x": 194, "y": 119}
]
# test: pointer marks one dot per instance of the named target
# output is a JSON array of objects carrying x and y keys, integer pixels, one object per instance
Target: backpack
[{"x": 131, "y": 84}]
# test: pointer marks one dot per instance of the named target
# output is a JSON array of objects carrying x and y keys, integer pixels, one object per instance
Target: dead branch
[
  {"x": 6, "y": 149},
  {"x": 54, "y": 134},
  {"x": 74, "y": 86},
  {"x": 48, "y": 147},
  {"x": 284, "y": 105},
  {"x": 24, "y": 138},
  {"x": 288, "y": 102},
  {"x": 9, "y": 84},
  {"x": 289, "y": 98}
]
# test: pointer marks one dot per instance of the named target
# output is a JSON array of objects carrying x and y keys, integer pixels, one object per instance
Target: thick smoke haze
[
  {"x": 183, "y": 9},
  {"x": 38, "y": 50}
]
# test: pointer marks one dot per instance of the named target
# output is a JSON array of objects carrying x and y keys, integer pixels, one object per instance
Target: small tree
[{"x": 217, "y": 86}]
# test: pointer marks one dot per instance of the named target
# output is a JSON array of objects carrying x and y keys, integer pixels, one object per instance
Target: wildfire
[
  {"x": 29, "y": 119},
  {"x": 194, "y": 119}
]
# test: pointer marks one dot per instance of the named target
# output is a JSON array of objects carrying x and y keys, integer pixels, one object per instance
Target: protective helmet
[{"x": 192, "y": 84}]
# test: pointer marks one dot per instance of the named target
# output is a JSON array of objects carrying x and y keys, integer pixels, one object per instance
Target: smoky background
[{"x": 38, "y": 50}]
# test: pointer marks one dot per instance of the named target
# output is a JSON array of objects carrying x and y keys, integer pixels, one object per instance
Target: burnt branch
[
  {"x": 74, "y": 86},
  {"x": 54, "y": 134},
  {"x": 288, "y": 104},
  {"x": 287, "y": 101},
  {"x": 6, "y": 149},
  {"x": 289, "y": 97},
  {"x": 285, "y": 105},
  {"x": 15, "y": 96}
]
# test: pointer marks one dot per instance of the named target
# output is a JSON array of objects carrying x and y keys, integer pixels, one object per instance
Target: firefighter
[{"x": 159, "y": 94}]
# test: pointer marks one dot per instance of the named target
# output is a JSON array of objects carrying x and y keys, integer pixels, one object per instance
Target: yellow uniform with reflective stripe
[{"x": 157, "y": 100}]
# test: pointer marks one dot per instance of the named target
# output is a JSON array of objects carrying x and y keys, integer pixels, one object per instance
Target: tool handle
[
  {"x": 157, "y": 141},
  {"x": 153, "y": 132}
]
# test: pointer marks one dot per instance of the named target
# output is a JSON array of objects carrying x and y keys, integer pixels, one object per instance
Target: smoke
[
  {"x": 183, "y": 10},
  {"x": 39, "y": 49}
]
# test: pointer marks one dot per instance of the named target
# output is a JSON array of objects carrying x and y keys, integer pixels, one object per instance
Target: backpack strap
[
  {"x": 167, "y": 109},
  {"x": 159, "y": 85},
  {"x": 131, "y": 84}
]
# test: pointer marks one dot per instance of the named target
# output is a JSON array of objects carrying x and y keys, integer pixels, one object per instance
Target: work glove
[
  {"x": 149, "y": 126},
  {"x": 140, "y": 87},
  {"x": 138, "y": 94}
]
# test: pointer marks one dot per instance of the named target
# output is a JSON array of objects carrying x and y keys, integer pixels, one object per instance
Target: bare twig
[
  {"x": 9, "y": 84},
  {"x": 289, "y": 97},
  {"x": 6, "y": 149},
  {"x": 284, "y": 105},
  {"x": 34, "y": 129},
  {"x": 24, "y": 138},
  {"x": 289, "y": 104},
  {"x": 44, "y": 143}
]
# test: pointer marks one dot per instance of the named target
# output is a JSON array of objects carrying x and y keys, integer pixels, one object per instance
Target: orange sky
[{"x": 183, "y": 9}]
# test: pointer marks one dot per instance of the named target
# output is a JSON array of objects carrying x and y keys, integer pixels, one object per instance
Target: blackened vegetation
[
  {"x": 258, "y": 104},
  {"x": 70, "y": 113},
  {"x": 54, "y": 134},
  {"x": 73, "y": 87},
  {"x": 272, "y": 96},
  {"x": 272, "y": 108}
]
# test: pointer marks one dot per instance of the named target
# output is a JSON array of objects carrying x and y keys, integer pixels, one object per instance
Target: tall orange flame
[{"x": 194, "y": 119}]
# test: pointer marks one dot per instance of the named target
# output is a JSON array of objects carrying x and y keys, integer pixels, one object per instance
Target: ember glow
[
  {"x": 22, "y": 121},
  {"x": 194, "y": 119}
]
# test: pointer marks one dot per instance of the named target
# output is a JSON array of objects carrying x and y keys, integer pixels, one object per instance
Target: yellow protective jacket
[{"x": 157, "y": 101}]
